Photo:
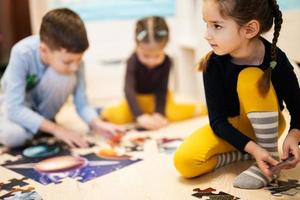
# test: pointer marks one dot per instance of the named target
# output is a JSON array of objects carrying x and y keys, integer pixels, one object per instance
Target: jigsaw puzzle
[
  {"x": 53, "y": 169},
  {"x": 212, "y": 194},
  {"x": 15, "y": 189},
  {"x": 46, "y": 160}
]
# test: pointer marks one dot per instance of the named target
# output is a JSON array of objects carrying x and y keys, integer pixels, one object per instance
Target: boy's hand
[
  {"x": 71, "y": 138},
  {"x": 108, "y": 130},
  {"x": 263, "y": 158},
  {"x": 290, "y": 146},
  {"x": 148, "y": 122}
]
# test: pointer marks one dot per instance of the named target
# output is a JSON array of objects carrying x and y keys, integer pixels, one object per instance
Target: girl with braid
[
  {"x": 246, "y": 80},
  {"x": 148, "y": 101}
]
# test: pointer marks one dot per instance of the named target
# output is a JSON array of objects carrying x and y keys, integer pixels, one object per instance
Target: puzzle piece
[
  {"x": 168, "y": 145},
  {"x": 13, "y": 183},
  {"x": 207, "y": 190},
  {"x": 279, "y": 187},
  {"x": 20, "y": 193},
  {"x": 15, "y": 190},
  {"x": 40, "y": 140},
  {"x": 110, "y": 153},
  {"x": 135, "y": 144},
  {"x": 5, "y": 158},
  {"x": 140, "y": 140},
  {"x": 134, "y": 147},
  {"x": 291, "y": 192},
  {"x": 212, "y": 194},
  {"x": 276, "y": 169}
]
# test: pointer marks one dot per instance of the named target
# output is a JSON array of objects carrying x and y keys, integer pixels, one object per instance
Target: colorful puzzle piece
[
  {"x": 135, "y": 144},
  {"x": 168, "y": 145},
  {"x": 212, "y": 194}
]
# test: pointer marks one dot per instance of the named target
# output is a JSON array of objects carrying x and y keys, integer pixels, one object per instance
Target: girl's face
[
  {"x": 150, "y": 54},
  {"x": 223, "y": 34}
]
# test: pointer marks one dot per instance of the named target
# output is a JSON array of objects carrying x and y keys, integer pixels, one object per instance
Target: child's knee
[
  {"x": 56, "y": 82},
  {"x": 14, "y": 135},
  {"x": 184, "y": 163}
]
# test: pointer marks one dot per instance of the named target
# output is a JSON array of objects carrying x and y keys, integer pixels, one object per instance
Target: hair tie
[
  {"x": 273, "y": 64},
  {"x": 141, "y": 35},
  {"x": 162, "y": 33}
]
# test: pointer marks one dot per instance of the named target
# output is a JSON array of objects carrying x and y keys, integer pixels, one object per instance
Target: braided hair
[{"x": 265, "y": 80}]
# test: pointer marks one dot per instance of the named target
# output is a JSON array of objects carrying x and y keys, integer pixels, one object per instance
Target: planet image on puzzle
[
  {"x": 56, "y": 168},
  {"x": 60, "y": 164},
  {"x": 41, "y": 151},
  {"x": 111, "y": 154}
]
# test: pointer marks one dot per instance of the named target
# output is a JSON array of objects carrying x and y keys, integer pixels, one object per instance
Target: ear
[
  {"x": 45, "y": 52},
  {"x": 251, "y": 29},
  {"x": 44, "y": 48}
]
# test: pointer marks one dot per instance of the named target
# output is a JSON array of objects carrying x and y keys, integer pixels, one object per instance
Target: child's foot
[{"x": 252, "y": 178}]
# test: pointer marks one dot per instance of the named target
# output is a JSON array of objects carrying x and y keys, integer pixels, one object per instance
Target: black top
[
  {"x": 142, "y": 80},
  {"x": 220, "y": 81}
]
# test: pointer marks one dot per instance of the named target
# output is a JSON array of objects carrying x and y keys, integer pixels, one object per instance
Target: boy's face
[
  {"x": 61, "y": 60},
  {"x": 223, "y": 34},
  {"x": 150, "y": 54}
]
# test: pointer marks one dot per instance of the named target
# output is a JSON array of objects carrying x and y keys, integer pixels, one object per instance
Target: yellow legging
[
  {"x": 198, "y": 153},
  {"x": 121, "y": 113}
]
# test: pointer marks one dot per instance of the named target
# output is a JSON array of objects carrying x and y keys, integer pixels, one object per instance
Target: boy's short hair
[{"x": 63, "y": 28}]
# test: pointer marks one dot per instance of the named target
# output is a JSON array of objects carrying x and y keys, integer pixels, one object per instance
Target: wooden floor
[{"x": 154, "y": 178}]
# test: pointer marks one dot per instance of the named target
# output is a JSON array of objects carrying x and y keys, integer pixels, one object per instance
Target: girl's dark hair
[
  {"x": 63, "y": 28},
  {"x": 265, "y": 12},
  {"x": 152, "y": 29}
]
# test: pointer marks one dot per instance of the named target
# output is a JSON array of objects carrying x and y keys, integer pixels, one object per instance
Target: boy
[{"x": 42, "y": 72}]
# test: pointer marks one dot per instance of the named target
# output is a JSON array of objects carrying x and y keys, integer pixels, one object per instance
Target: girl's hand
[
  {"x": 290, "y": 146},
  {"x": 160, "y": 120},
  {"x": 148, "y": 122},
  {"x": 263, "y": 158}
]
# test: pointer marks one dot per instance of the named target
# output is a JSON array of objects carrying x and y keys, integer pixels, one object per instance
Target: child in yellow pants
[
  {"x": 246, "y": 79},
  {"x": 199, "y": 152},
  {"x": 148, "y": 101}
]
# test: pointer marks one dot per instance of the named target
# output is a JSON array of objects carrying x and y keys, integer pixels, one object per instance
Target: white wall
[{"x": 113, "y": 40}]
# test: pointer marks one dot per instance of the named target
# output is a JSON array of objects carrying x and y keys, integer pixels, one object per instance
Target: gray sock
[{"x": 265, "y": 125}]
